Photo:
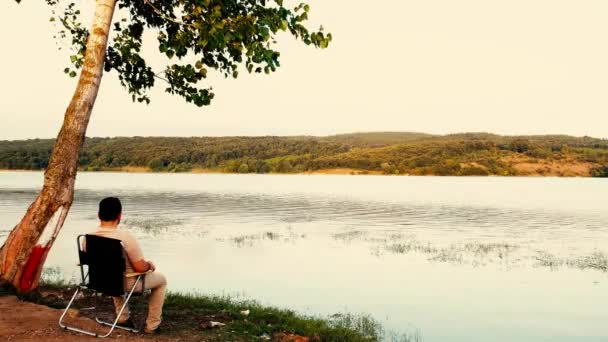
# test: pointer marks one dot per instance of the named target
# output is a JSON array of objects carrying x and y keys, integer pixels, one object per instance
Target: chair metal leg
[
  {"x": 115, "y": 324},
  {"x": 63, "y": 326},
  {"x": 112, "y": 325}
]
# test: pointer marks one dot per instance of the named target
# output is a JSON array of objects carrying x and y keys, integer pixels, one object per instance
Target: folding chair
[{"x": 105, "y": 261}]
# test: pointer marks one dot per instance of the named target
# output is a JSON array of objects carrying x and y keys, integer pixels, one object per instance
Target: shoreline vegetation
[
  {"x": 382, "y": 153},
  {"x": 189, "y": 317},
  {"x": 141, "y": 169}
]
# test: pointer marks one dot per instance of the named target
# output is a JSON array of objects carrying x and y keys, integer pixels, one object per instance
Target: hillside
[{"x": 359, "y": 153}]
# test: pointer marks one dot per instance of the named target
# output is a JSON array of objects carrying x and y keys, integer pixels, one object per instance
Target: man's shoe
[
  {"x": 156, "y": 331},
  {"x": 127, "y": 324}
]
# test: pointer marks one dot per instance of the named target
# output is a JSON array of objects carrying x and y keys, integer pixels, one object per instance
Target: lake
[{"x": 446, "y": 258}]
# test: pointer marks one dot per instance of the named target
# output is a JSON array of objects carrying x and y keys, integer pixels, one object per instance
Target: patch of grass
[
  {"x": 484, "y": 253},
  {"x": 267, "y": 321},
  {"x": 52, "y": 278},
  {"x": 456, "y": 253},
  {"x": 272, "y": 236},
  {"x": 450, "y": 254},
  {"x": 404, "y": 337},
  {"x": 597, "y": 261},
  {"x": 483, "y": 249},
  {"x": 545, "y": 259},
  {"x": 152, "y": 225},
  {"x": 245, "y": 240},
  {"x": 349, "y": 236},
  {"x": 249, "y": 240}
]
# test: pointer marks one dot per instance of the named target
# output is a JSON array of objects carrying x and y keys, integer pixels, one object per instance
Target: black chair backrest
[{"x": 106, "y": 262}]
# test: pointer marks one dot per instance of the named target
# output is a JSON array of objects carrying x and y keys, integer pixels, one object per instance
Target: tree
[
  {"x": 194, "y": 35},
  {"x": 244, "y": 168}
]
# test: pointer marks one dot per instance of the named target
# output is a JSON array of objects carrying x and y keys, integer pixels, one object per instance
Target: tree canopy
[{"x": 195, "y": 36}]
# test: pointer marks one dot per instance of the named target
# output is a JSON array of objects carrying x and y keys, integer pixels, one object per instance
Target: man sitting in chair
[{"x": 110, "y": 213}]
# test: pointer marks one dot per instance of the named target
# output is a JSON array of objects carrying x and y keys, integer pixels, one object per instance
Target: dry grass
[
  {"x": 342, "y": 171},
  {"x": 528, "y": 166}
]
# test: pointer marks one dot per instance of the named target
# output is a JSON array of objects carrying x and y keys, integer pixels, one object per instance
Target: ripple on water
[{"x": 305, "y": 209}]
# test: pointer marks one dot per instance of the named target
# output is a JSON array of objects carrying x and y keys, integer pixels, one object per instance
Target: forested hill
[{"x": 360, "y": 153}]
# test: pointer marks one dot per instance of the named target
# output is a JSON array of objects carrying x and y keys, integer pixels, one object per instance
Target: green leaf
[
  {"x": 204, "y": 35},
  {"x": 72, "y": 74}
]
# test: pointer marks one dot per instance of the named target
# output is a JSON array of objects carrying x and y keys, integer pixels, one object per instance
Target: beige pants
[{"x": 158, "y": 284}]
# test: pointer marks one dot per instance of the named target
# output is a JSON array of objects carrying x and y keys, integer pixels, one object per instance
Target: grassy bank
[{"x": 187, "y": 316}]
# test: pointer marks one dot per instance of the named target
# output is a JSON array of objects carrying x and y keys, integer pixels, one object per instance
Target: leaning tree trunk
[{"x": 22, "y": 255}]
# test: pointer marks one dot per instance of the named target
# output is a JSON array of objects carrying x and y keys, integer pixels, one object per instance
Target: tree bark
[{"x": 22, "y": 255}]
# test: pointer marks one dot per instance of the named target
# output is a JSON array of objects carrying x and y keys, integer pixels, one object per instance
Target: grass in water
[
  {"x": 349, "y": 236},
  {"x": 473, "y": 253},
  {"x": 249, "y": 240},
  {"x": 596, "y": 261},
  {"x": 152, "y": 225},
  {"x": 549, "y": 260}
]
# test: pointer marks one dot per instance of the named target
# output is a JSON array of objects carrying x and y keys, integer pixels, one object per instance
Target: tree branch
[
  {"x": 162, "y": 15},
  {"x": 161, "y": 78}
]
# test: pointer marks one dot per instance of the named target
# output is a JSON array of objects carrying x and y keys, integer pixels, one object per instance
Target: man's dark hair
[{"x": 109, "y": 209}]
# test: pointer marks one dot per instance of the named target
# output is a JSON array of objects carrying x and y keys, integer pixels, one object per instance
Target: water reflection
[{"x": 457, "y": 259}]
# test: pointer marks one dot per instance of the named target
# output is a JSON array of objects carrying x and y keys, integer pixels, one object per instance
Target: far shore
[
  {"x": 373, "y": 153},
  {"x": 141, "y": 169},
  {"x": 335, "y": 172}
]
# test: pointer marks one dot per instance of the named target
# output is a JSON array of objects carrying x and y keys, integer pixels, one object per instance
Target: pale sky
[{"x": 435, "y": 66}]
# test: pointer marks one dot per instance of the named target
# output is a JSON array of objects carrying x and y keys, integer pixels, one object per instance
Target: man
[{"x": 110, "y": 214}]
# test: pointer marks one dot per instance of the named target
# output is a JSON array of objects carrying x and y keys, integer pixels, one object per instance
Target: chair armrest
[{"x": 136, "y": 274}]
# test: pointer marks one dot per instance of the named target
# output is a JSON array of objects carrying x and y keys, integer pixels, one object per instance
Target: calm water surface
[{"x": 453, "y": 259}]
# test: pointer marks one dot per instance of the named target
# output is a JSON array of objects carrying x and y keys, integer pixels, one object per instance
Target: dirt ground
[
  {"x": 27, "y": 322},
  {"x": 22, "y": 321}
]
